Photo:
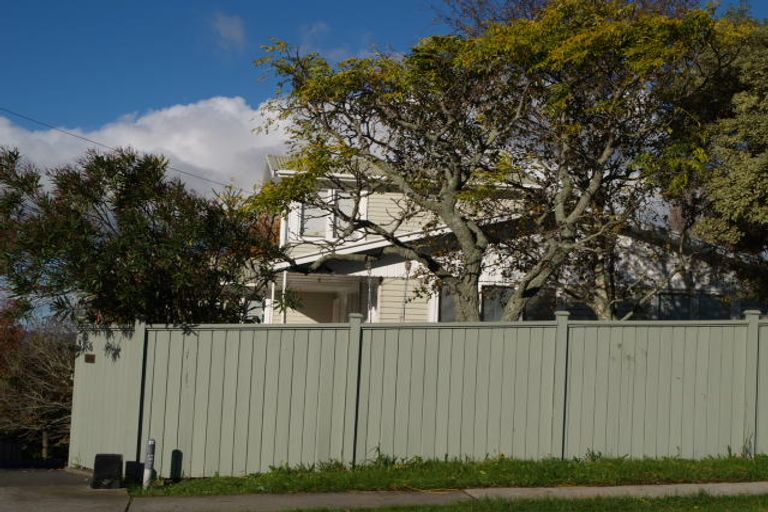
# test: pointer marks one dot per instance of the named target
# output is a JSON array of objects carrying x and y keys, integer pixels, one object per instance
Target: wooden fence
[{"x": 237, "y": 399}]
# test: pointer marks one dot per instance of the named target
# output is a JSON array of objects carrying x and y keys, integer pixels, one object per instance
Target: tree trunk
[
  {"x": 534, "y": 281},
  {"x": 45, "y": 445},
  {"x": 467, "y": 300},
  {"x": 602, "y": 298}
]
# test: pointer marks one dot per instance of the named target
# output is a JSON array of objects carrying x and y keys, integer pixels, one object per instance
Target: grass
[
  {"x": 387, "y": 474},
  {"x": 700, "y": 503}
]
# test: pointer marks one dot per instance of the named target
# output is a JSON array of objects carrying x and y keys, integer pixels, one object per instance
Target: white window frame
[{"x": 295, "y": 219}]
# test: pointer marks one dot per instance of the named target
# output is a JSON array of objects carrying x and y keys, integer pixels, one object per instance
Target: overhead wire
[{"x": 101, "y": 144}]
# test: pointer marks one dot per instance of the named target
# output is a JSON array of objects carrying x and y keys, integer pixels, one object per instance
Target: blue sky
[
  {"x": 176, "y": 76},
  {"x": 85, "y": 63}
]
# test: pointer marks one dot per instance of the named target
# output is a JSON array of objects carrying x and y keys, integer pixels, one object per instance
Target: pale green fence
[
  {"x": 237, "y": 399},
  {"x": 106, "y": 404}
]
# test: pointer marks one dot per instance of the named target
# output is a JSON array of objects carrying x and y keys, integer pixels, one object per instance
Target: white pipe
[
  {"x": 149, "y": 464},
  {"x": 282, "y": 298}
]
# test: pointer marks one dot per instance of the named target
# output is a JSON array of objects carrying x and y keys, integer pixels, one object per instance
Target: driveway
[{"x": 43, "y": 490}]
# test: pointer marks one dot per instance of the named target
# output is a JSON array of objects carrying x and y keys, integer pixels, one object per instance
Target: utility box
[{"x": 107, "y": 471}]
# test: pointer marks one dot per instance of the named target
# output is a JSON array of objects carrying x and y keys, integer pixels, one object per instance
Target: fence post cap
[
  {"x": 562, "y": 314},
  {"x": 752, "y": 312},
  {"x": 355, "y": 316}
]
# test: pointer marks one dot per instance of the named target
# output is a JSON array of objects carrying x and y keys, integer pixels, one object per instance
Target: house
[
  {"x": 329, "y": 278},
  {"x": 382, "y": 291}
]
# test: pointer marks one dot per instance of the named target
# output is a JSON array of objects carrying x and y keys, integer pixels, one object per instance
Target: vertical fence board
[
  {"x": 429, "y": 422},
  {"x": 761, "y": 434},
  {"x": 443, "y": 396},
  {"x": 242, "y": 403},
  {"x": 402, "y": 390},
  {"x": 493, "y": 383},
  {"x": 256, "y": 417}
]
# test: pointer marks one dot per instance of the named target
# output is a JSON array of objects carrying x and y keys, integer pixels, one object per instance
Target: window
[
  {"x": 495, "y": 299},
  {"x": 313, "y": 222},
  {"x": 713, "y": 307},
  {"x": 447, "y": 305},
  {"x": 674, "y": 306},
  {"x": 346, "y": 205},
  {"x": 692, "y": 306}
]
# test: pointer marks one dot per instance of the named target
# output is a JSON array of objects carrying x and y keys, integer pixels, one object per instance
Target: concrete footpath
[
  {"x": 41, "y": 491},
  {"x": 351, "y": 500}
]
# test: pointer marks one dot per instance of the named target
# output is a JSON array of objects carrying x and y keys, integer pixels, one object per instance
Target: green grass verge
[
  {"x": 385, "y": 474},
  {"x": 698, "y": 503}
]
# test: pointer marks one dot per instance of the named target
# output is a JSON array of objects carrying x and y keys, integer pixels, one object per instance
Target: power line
[{"x": 101, "y": 144}]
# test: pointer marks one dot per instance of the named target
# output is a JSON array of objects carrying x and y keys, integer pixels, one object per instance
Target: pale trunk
[
  {"x": 468, "y": 300},
  {"x": 601, "y": 300},
  {"x": 45, "y": 445}
]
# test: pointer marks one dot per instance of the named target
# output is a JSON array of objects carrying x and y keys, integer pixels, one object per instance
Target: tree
[
  {"x": 474, "y": 17},
  {"x": 11, "y": 336},
  {"x": 36, "y": 385},
  {"x": 112, "y": 240},
  {"x": 513, "y": 149},
  {"x": 733, "y": 187},
  {"x": 607, "y": 274}
]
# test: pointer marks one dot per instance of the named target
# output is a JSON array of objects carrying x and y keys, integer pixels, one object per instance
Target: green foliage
[
  {"x": 737, "y": 182},
  {"x": 386, "y": 473},
  {"x": 112, "y": 240},
  {"x": 569, "y": 120}
]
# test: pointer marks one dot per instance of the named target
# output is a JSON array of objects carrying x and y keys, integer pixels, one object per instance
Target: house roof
[
  {"x": 278, "y": 162},
  {"x": 281, "y": 166},
  {"x": 358, "y": 248}
]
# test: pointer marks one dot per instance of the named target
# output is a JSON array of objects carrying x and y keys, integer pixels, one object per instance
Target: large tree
[
  {"x": 473, "y": 17},
  {"x": 512, "y": 149},
  {"x": 112, "y": 239},
  {"x": 36, "y": 381},
  {"x": 732, "y": 189},
  {"x": 624, "y": 269}
]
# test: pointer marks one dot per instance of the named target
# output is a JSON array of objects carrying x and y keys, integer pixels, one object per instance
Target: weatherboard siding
[{"x": 397, "y": 297}]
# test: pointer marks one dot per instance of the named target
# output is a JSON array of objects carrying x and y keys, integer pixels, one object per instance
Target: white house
[{"x": 388, "y": 290}]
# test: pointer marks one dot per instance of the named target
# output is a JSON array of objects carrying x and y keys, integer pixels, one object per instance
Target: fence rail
[{"x": 233, "y": 399}]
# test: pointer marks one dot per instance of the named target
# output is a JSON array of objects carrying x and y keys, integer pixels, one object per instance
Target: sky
[{"x": 176, "y": 76}]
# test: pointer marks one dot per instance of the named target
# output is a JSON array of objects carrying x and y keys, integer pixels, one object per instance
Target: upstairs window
[
  {"x": 447, "y": 306},
  {"x": 313, "y": 222},
  {"x": 346, "y": 205}
]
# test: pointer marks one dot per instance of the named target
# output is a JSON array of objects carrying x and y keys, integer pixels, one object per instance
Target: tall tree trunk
[
  {"x": 45, "y": 444},
  {"x": 467, "y": 300},
  {"x": 535, "y": 279},
  {"x": 602, "y": 298}
]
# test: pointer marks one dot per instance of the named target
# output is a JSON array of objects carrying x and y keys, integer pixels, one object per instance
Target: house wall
[
  {"x": 324, "y": 298},
  {"x": 382, "y": 208},
  {"x": 316, "y": 307},
  {"x": 387, "y": 207},
  {"x": 395, "y": 295}
]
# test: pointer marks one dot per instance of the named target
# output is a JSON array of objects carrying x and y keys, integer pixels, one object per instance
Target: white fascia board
[
  {"x": 375, "y": 244},
  {"x": 360, "y": 247},
  {"x": 286, "y": 173}
]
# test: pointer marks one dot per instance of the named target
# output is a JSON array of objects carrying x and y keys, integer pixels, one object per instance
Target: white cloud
[
  {"x": 311, "y": 32},
  {"x": 213, "y": 138},
  {"x": 314, "y": 36},
  {"x": 230, "y": 31}
]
